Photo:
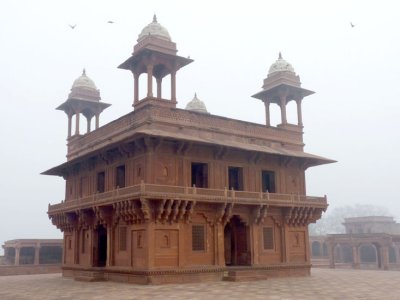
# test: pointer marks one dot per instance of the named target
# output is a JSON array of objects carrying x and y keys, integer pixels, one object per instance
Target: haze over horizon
[{"x": 352, "y": 117}]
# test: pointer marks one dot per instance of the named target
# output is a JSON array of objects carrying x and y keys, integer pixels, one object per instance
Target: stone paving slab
[{"x": 322, "y": 284}]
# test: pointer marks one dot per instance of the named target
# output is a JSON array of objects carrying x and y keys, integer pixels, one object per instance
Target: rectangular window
[
  {"x": 198, "y": 238},
  {"x": 268, "y": 181},
  {"x": 268, "y": 238},
  {"x": 200, "y": 175},
  {"x": 122, "y": 239},
  {"x": 235, "y": 178},
  {"x": 101, "y": 177},
  {"x": 120, "y": 177}
]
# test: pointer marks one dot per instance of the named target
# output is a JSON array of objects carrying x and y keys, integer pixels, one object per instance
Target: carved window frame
[
  {"x": 199, "y": 239},
  {"x": 268, "y": 245}
]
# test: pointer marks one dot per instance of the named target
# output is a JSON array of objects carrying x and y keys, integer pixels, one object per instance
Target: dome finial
[
  {"x": 154, "y": 18},
  {"x": 280, "y": 55},
  {"x": 195, "y": 95},
  {"x": 84, "y": 72}
]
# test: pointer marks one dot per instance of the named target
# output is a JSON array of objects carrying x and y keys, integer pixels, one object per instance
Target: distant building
[
  {"x": 32, "y": 252},
  {"x": 369, "y": 242},
  {"x": 164, "y": 194}
]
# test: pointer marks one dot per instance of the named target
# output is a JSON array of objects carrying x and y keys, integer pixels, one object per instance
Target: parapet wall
[{"x": 29, "y": 270}]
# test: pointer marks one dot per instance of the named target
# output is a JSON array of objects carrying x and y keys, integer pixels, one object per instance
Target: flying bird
[
  {"x": 72, "y": 26},
  {"x": 352, "y": 25}
]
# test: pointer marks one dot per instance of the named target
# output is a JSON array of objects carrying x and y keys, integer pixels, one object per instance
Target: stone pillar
[
  {"x": 37, "y": 251},
  {"x": 385, "y": 257},
  {"x": 89, "y": 119},
  {"x": 77, "y": 123},
  {"x": 285, "y": 246},
  {"x": 97, "y": 120},
  {"x": 254, "y": 242},
  {"x": 331, "y": 253},
  {"x": 110, "y": 235},
  {"x": 16, "y": 261},
  {"x": 173, "y": 86},
  {"x": 159, "y": 87},
  {"x": 356, "y": 257},
  {"x": 69, "y": 124},
  {"x": 267, "y": 113},
  {"x": 150, "y": 81},
  {"x": 299, "y": 113},
  {"x": 283, "y": 109},
  {"x": 219, "y": 248},
  {"x": 136, "y": 88}
]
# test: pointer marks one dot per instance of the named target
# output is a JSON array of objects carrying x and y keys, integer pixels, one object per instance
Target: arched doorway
[
  {"x": 100, "y": 255},
  {"x": 369, "y": 254},
  {"x": 316, "y": 249},
  {"x": 236, "y": 243},
  {"x": 392, "y": 255}
]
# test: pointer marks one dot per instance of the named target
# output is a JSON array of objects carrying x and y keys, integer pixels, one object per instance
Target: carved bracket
[{"x": 302, "y": 216}]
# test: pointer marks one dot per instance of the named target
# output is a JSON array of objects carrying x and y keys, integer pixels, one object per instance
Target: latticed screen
[
  {"x": 122, "y": 239},
  {"x": 198, "y": 238},
  {"x": 268, "y": 237}
]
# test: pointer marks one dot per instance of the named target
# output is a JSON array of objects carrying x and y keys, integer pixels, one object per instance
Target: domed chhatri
[
  {"x": 84, "y": 81},
  {"x": 197, "y": 105},
  {"x": 154, "y": 54},
  {"x": 280, "y": 65},
  {"x": 154, "y": 29},
  {"x": 84, "y": 99},
  {"x": 84, "y": 88}
]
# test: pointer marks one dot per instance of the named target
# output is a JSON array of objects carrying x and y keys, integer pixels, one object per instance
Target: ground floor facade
[{"x": 156, "y": 239}]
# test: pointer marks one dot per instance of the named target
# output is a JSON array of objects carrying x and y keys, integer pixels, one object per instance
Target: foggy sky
[{"x": 353, "y": 117}]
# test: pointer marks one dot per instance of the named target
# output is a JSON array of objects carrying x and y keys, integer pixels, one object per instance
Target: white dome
[
  {"x": 154, "y": 29},
  {"x": 196, "y": 105},
  {"x": 280, "y": 65},
  {"x": 84, "y": 81}
]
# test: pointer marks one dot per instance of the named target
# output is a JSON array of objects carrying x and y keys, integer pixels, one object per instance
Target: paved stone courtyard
[{"x": 323, "y": 284}]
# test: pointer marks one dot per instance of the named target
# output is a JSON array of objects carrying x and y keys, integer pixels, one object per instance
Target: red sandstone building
[
  {"x": 371, "y": 242},
  {"x": 164, "y": 194}
]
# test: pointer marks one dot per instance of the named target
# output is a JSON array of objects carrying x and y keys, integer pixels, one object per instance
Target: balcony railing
[{"x": 154, "y": 191}]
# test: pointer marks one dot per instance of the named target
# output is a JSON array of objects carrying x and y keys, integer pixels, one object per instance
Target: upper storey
[{"x": 156, "y": 116}]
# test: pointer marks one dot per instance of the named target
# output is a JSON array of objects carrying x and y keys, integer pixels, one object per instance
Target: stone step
[{"x": 244, "y": 275}]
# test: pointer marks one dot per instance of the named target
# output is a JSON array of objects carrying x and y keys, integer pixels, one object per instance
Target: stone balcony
[{"x": 160, "y": 192}]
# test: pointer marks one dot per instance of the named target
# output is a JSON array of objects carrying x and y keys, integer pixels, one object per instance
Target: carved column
[
  {"x": 282, "y": 99},
  {"x": 77, "y": 123},
  {"x": 385, "y": 257},
  {"x": 17, "y": 251},
  {"x": 331, "y": 254},
  {"x": 254, "y": 244},
  {"x": 219, "y": 248},
  {"x": 110, "y": 242},
  {"x": 37, "y": 251},
  {"x": 69, "y": 124},
  {"x": 149, "y": 80},
  {"x": 89, "y": 119},
  {"x": 173, "y": 86},
  {"x": 159, "y": 87},
  {"x": 97, "y": 120},
  {"x": 267, "y": 113},
  {"x": 135, "y": 88},
  {"x": 299, "y": 113},
  {"x": 356, "y": 257}
]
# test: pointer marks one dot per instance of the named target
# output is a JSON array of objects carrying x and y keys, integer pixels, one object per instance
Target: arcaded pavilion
[{"x": 165, "y": 194}]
